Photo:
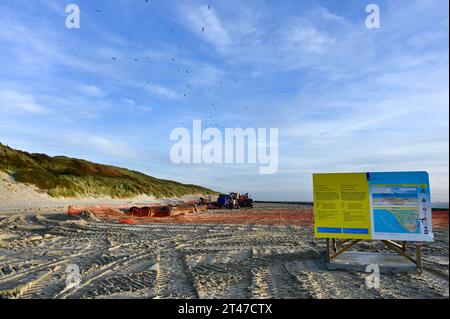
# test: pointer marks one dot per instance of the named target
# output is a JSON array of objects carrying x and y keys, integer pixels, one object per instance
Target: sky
[{"x": 344, "y": 98}]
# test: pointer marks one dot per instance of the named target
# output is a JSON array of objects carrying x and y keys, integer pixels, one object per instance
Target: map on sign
[
  {"x": 395, "y": 209},
  {"x": 393, "y": 196},
  {"x": 388, "y": 206}
]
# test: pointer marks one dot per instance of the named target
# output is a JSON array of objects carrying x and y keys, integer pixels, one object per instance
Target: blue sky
[{"x": 344, "y": 97}]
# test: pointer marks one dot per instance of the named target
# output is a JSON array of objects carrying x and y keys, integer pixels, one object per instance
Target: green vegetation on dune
[{"x": 61, "y": 176}]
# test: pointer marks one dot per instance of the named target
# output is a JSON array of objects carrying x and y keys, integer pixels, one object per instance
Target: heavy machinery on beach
[
  {"x": 245, "y": 201},
  {"x": 234, "y": 200}
]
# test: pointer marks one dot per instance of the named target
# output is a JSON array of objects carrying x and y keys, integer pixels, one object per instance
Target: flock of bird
[{"x": 208, "y": 118}]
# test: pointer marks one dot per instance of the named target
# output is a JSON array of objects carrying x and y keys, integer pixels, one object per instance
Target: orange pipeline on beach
[
  {"x": 197, "y": 214},
  {"x": 190, "y": 213}
]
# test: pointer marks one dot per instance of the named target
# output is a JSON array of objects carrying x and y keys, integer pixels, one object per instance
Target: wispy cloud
[
  {"x": 300, "y": 38},
  {"x": 200, "y": 19},
  {"x": 101, "y": 144},
  {"x": 141, "y": 108},
  {"x": 207, "y": 76},
  {"x": 92, "y": 90},
  {"x": 16, "y": 102},
  {"x": 292, "y": 43},
  {"x": 344, "y": 97}
]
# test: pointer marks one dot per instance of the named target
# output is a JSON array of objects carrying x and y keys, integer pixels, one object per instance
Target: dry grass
[{"x": 62, "y": 176}]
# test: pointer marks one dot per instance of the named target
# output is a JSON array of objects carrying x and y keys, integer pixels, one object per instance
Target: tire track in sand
[{"x": 173, "y": 279}]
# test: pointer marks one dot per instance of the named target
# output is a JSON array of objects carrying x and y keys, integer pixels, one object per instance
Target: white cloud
[
  {"x": 98, "y": 144},
  {"x": 92, "y": 90},
  {"x": 13, "y": 101},
  {"x": 142, "y": 108},
  {"x": 106, "y": 145},
  {"x": 362, "y": 101},
  {"x": 242, "y": 35},
  {"x": 206, "y": 76},
  {"x": 163, "y": 91},
  {"x": 300, "y": 38},
  {"x": 327, "y": 15},
  {"x": 205, "y": 23}
]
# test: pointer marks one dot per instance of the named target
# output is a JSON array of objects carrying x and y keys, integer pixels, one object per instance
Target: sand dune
[{"x": 18, "y": 197}]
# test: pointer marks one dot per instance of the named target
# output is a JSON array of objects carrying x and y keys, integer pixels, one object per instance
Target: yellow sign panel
[
  {"x": 342, "y": 206},
  {"x": 373, "y": 205}
]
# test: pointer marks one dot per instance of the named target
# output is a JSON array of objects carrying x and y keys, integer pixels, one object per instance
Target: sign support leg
[
  {"x": 398, "y": 250},
  {"x": 419, "y": 259},
  {"x": 404, "y": 246},
  {"x": 327, "y": 257},
  {"x": 333, "y": 242},
  {"x": 345, "y": 248}
]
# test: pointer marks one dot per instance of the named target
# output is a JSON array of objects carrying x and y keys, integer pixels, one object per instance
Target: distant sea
[
  {"x": 433, "y": 204},
  {"x": 439, "y": 205}
]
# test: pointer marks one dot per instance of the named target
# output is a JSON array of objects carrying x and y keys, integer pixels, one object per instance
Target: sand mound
[{"x": 89, "y": 216}]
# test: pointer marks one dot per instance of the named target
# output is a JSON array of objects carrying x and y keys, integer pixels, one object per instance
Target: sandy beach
[
  {"x": 190, "y": 260},
  {"x": 265, "y": 252},
  {"x": 224, "y": 150}
]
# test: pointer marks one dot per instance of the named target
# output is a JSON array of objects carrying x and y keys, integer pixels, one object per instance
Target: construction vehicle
[
  {"x": 227, "y": 200},
  {"x": 245, "y": 201},
  {"x": 222, "y": 200},
  {"x": 234, "y": 200}
]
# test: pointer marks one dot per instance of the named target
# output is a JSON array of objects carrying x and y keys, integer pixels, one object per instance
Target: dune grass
[{"x": 62, "y": 176}]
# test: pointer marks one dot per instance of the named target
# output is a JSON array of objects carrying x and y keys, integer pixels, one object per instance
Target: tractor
[
  {"x": 245, "y": 201},
  {"x": 234, "y": 200},
  {"x": 229, "y": 201}
]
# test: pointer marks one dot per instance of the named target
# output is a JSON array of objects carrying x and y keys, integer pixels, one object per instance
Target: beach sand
[{"x": 41, "y": 246}]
